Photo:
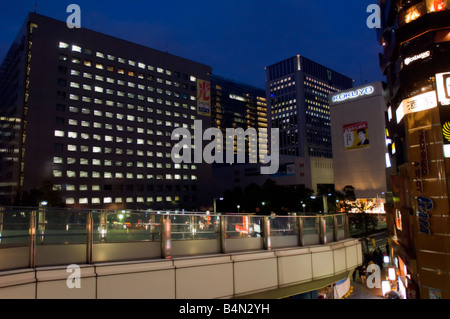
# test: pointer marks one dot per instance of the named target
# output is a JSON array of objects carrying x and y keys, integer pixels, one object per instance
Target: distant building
[
  {"x": 94, "y": 114},
  {"x": 237, "y": 105},
  {"x": 359, "y": 141},
  {"x": 297, "y": 97}
]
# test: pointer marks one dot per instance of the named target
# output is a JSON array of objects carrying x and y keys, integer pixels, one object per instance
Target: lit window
[
  {"x": 84, "y": 174},
  {"x": 96, "y": 149},
  {"x": 57, "y": 173},
  {"x": 76, "y": 48},
  {"x": 83, "y": 201},
  {"x": 99, "y": 55},
  {"x": 107, "y": 200},
  {"x": 72, "y": 134},
  {"x": 99, "y": 66},
  {"x": 95, "y": 200},
  {"x": 72, "y": 148},
  {"x": 70, "y": 201},
  {"x": 70, "y": 187},
  {"x": 63, "y": 45},
  {"x": 59, "y": 133}
]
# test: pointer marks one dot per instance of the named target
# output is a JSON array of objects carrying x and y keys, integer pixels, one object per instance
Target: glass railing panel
[
  {"x": 194, "y": 226},
  {"x": 243, "y": 226},
  {"x": 60, "y": 227},
  {"x": 117, "y": 227},
  {"x": 14, "y": 227}
]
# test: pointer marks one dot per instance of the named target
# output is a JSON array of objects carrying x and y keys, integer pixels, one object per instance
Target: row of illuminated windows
[
  {"x": 315, "y": 114},
  {"x": 100, "y": 78},
  {"x": 312, "y": 81},
  {"x": 109, "y": 138},
  {"x": 118, "y": 163},
  {"x": 132, "y": 63},
  {"x": 122, "y": 83},
  {"x": 82, "y": 123},
  {"x": 132, "y": 118},
  {"x": 109, "y": 150},
  {"x": 119, "y": 175},
  {"x": 140, "y": 97},
  {"x": 118, "y": 200}
]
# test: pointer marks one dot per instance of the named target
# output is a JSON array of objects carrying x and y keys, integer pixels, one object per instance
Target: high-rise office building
[
  {"x": 93, "y": 115},
  {"x": 415, "y": 37},
  {"x": 237, "y": 105},
  {"x": 297, "y": 92}
]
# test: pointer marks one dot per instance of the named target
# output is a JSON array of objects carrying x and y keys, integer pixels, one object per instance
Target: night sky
[{"x": 237, "y": 38}]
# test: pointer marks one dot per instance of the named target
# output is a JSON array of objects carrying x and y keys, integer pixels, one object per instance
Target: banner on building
[
  {"x": 356, "y": 135},
  {"x": 443, "y": 88},
  {"x": 203, "y": 97}
]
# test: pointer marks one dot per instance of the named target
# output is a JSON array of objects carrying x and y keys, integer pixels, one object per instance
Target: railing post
[
  {"x": 323, "y": 230},
  {"x": 89, "y": 237},
  {"x": 301, "y": 238},
  {"x": 32, "y": 233},
  {"x": 223, "y": 233},
  {"x": 166, "y": 243},
  {"x": 266, "y": 232},
  {"x": 346, "y": 226},
  {"x": 1, "y": 223},
  {"x": 335, "y": 228}
]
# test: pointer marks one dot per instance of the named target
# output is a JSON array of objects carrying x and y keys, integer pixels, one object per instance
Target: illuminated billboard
[{"x": 356, "y": 135}]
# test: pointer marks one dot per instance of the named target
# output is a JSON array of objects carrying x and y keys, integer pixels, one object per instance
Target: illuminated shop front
[{"x": 415, "y": 37}]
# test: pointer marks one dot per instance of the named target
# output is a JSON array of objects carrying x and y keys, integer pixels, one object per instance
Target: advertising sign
[
  {"x": 419, "y": 102},
  {"x": 356, "y": 135},
  {"x": 443, "y": 88},
  {"x": 203, "y": 97}
]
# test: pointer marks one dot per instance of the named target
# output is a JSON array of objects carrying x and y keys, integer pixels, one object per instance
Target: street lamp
[
  {"x": 238, "y": 206},
  {"x": 215, "y": 204}
]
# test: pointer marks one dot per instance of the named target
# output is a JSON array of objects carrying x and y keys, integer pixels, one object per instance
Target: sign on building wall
[
  {"x": 203, "y": 97},
  {"x": 443, "y": 88},
  {"x": 356, "y": 135}
]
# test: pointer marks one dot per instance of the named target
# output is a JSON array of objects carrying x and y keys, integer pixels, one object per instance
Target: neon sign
[
  {"x": 353, "y": 94},
  {"x": 416, "y": 57}
]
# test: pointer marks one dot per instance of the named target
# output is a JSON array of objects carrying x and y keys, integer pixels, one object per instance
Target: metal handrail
[{"x": 162, "y": 225}]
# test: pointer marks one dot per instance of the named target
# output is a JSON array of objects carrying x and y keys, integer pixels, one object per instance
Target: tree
[{"x": 46, "y": 192}]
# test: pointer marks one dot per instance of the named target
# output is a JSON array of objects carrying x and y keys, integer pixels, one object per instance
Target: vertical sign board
[{"x": 203, "y": 97}]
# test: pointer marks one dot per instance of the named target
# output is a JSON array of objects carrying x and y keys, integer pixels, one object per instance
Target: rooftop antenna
[{"x": 35, "y": 6}]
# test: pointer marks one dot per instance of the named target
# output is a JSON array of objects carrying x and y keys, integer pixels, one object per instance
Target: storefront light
[
  {"x": 391, "y": 274},
  {"x": 385, "y": 287}
]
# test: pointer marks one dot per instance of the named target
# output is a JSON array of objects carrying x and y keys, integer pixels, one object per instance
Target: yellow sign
[{"x": 356, "y": 135}]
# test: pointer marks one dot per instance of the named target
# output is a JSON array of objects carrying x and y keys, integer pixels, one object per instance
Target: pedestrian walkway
[{"x": 362, "y": 291}]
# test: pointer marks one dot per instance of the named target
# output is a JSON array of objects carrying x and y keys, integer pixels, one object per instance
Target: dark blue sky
[{"x": 237, "y": 38}]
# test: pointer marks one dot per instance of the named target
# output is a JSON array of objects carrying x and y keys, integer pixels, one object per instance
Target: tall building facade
[
  {"x": 94, "y": 115},
  {"x": 297, "y": 92},
  {"x": 359, "y": 140},
  {"x": 237, "y": 105},
  {"x": 415, "y": 37}
]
